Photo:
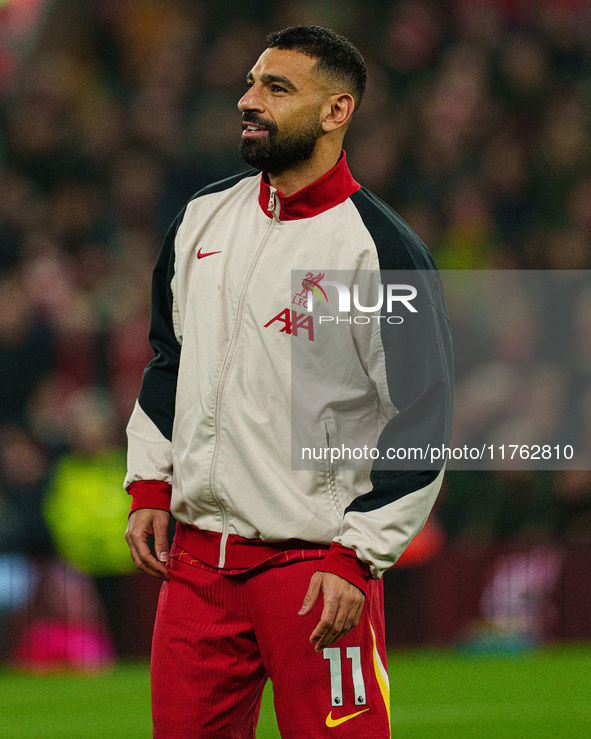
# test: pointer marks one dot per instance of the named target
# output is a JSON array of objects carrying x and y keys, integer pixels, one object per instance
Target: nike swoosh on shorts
[{"x": 330, "y": 721}]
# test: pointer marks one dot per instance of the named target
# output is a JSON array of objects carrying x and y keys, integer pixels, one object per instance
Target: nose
[{"x": 250, "y": 101}]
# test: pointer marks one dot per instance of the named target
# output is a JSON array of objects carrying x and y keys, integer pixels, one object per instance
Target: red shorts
[{"x": 217, "y": 639}]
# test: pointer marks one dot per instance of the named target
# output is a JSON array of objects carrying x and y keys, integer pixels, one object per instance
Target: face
[{"x": 281, "y": 111}]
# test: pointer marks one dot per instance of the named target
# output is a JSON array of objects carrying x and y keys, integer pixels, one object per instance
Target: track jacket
[{"x": 211, "y": 438}]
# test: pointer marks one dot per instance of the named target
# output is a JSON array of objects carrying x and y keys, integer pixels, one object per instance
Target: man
[{"x": 271, "y": 566}]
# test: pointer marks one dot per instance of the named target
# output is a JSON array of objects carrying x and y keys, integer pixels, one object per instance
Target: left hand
[{"x": 343, "y": 603}]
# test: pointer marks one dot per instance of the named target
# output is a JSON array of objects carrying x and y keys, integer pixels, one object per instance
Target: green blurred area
[{"x": 434, "y": 694}]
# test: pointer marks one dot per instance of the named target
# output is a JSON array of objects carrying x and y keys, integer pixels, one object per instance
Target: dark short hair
[{"x": 336, "y": 55}]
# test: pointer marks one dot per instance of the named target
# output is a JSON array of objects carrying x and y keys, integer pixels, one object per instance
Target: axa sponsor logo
[
  {"x": 301, "y": 324},
  {"x": 294, "y": 323}
]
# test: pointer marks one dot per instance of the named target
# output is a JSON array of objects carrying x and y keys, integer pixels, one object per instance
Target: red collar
[{"x": 332, "y": 188}]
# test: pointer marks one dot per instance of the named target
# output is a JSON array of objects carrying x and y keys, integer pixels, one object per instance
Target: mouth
[{"x": 253, "y": 131}]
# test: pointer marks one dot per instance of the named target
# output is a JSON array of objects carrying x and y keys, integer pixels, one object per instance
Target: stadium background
[{"x": 476, "y": 127}]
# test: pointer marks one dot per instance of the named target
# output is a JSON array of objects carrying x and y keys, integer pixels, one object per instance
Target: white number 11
[{"x": 333, "y": 654}]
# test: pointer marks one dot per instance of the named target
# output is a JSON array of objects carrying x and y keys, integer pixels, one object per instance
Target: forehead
[{"x": 294, "y": 65}]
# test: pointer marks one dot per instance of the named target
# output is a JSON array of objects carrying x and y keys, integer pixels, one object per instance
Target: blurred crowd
[{"x": 476, "y": 127}]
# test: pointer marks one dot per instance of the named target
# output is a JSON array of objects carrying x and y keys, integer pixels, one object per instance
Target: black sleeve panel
[
  {"x": 158, "y": 392},
  {"x": 418, "y": 356}
]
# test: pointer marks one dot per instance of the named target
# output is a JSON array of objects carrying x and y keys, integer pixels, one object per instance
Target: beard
[{"x": 279, "y": 151}]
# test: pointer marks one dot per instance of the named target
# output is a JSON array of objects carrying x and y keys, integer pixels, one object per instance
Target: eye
[{"x": 277, "y": 88}]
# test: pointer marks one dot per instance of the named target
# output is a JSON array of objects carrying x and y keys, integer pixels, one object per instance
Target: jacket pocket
[{"x": 330, "y": 471}]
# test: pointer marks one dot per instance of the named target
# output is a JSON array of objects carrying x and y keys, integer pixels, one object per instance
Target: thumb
[
  {"x": 161, "y": 542},
  {"x": 312, "y": 595}
]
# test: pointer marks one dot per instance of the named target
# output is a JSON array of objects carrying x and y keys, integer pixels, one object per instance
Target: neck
[{"x": 304, "y": 173}]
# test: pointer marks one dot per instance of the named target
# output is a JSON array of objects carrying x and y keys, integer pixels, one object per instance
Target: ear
[{"x": 338, "y": 111}]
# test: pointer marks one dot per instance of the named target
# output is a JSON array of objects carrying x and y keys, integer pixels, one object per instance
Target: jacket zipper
[{"x": 224, "y": 377}]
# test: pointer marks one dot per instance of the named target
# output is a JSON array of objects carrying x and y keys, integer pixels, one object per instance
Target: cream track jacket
[{"x": 225, "y": 408}]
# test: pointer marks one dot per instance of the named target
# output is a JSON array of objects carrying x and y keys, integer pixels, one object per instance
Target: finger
[
  {"x": 337, "y": 629},
  {"x": 351, "y": 621},
  {"x": 161, "y": 539},
  {"x": 354, "y": 617},
  {"x": 148, "y": 563},
  {"x": 324, "y": 625},
  {"x": 347, "y": 616},
  {"x": 312, "y": 595},
  {"x": 141, "y": 555}
]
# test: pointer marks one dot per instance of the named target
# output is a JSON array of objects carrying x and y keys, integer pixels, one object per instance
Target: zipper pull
[{"x": 274, "y": 203}]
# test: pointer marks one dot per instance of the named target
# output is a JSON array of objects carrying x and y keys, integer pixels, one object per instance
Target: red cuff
[
  {"x": 345, "y": 563},
  {"x": 150, "y": 494}
]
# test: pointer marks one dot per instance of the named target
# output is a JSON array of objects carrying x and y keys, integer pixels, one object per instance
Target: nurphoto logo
[{"x": 392, "y": 295}]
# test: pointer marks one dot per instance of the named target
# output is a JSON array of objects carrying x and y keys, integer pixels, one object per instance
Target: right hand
[{"x": 142, "y": 523}]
